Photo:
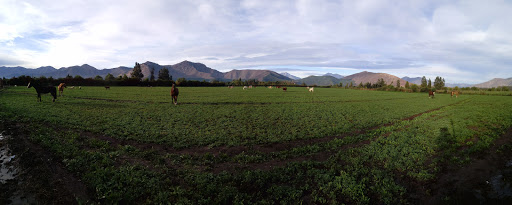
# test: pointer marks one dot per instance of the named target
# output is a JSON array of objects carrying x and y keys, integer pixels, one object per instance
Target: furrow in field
[
  {"x": 320, "y": 156},
  {"x": 235, "y": 150},
  {"x": 266, "y": 149}
]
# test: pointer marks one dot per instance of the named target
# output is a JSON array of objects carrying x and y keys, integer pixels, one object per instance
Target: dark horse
[
  {"x": 43, "y": 89},
  {"x": 174, "y": 94}
]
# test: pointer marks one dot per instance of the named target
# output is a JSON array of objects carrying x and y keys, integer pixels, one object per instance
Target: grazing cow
[
  {"x": 312, "y": 89},
  {"x": 174, "y": 94},
  {"x": 43, "y": 89},
  {"x": 431, "y": 94},
  {"x": 270, "y": 87},
  {"x": 61, "y": 88},
  {"x": 284, "y": 89},
  {"x": 106, "y": 88},
  {"x": 72, "y": 87},
  {"x": 278, "y": 87},
  {"x": 456, "y": 93},
  {"x": 245, "y": 88}
]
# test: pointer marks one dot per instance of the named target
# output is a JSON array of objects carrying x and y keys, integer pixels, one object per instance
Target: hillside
[
  {"x": 416, "y": 80},
  {"x": 289, "y": 76},
  {"x": 260, "y": 75},
  {"x": 185, "y": 69},
  {"x": 322, "y": 80},
  {"x": 496, "y": 82},
  {"x": 364, "y": 77},
  {"x": 334, "y": 75}
]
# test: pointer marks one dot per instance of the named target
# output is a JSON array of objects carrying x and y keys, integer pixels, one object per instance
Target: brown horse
[
  {"x": 61, "y": 88},
  {"x": 431, "y": 94},
  {"x": 456, "y": 93},
  {"x": 174, "y": 94}
]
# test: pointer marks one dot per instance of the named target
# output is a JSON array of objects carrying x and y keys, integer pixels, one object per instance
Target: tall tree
[
  {"x": 429, "y": 84},
  {"x": 163, "y": 74},
  {"x": 98, "y": 78},
  {"x": 109, "y": 77},
  {"x": 152, "y": 76},
  {"x": 381, "y": 82},
  {"x": 423, "y": 82},
  {"x": 137, "y": 72},
  {"x": 439, "y": 83},
  {"x": 407, "y": 85},
  {"x": 398, "y": 83}
]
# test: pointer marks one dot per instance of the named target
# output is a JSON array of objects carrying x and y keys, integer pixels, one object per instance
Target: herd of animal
[{"x": 174, "y": 91}]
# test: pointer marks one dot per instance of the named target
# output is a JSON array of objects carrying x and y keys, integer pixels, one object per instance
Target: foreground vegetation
[{"x": 265, "y": 146}]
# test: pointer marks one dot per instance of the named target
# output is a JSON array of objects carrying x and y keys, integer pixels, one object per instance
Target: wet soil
[
  {"x": 486, "y": 180},
  {"x": 39, "y": 178}
]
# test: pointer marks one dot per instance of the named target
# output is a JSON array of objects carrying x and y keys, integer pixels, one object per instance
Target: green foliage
[
  {"x": 439, "y": 83},
  {"x": 382, "y": 141},
  {"x": 109, "y": 77},
  {"x": 137, "y": 72},
  {"x": 163, "y": 74}
]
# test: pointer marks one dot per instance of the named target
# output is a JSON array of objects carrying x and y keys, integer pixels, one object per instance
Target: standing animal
[
  {"x": 43, "y": 89},
  {"x": 61, "y": 88},
  {"x": 312, "y": 89},
  {"x": 245, "y": 88},
  {"x": 174, "y": 94},
  {"x": 284, "y": 88},
  {"x": 107, "y": 87},
  {"x": 456, "y": 93},
  {"x": 431, "y": 94}
]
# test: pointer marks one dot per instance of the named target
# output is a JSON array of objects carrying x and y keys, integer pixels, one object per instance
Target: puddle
[
  {"x": 7, "y": 169},
  {"x": 499, "y": 186},
  {"x": 509, "y": 164}
]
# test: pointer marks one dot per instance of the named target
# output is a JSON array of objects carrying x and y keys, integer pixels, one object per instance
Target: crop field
[{"x": 263, "y": 146}]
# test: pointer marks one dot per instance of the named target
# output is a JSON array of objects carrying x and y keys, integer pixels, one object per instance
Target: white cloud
[{"x": 468, "y": 39}]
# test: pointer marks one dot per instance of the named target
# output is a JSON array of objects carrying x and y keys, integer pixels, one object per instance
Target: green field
[{"x": 262, "y": 146}]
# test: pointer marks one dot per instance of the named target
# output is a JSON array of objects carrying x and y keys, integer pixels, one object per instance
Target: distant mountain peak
[
  {"x": 365, "y": 76},
  {"x": 289, "y": 76},
  {"x": 334, "y": 75},
  {"x": 495, "y": 82}
]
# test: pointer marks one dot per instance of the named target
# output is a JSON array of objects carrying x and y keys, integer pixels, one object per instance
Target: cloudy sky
[{"x": 463, "y": 41}]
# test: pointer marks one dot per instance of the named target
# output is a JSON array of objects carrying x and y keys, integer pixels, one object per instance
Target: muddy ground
[{"x": 32, "y": 175}]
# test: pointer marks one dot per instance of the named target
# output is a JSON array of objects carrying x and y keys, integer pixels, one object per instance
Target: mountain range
[
  {"x": 323, "y": 80},
  {"x": 199, "y": 71},
  {"x": 495, "y": 83},
  {"x": 185, "y": 69}
]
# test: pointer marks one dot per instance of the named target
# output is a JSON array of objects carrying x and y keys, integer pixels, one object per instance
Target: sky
[{"x": 467, "y": 41}]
